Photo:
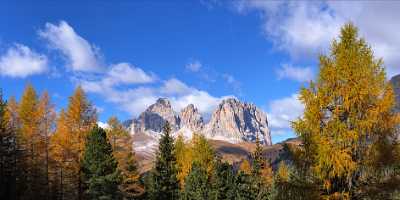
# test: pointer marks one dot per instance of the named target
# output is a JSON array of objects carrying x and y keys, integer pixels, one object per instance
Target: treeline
[
  {"x": 45, "y": 156},
  {"x": 349, "y": 131}
]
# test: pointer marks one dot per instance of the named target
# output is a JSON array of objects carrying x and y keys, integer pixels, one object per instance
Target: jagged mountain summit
[{"x": 232, "y": 121}]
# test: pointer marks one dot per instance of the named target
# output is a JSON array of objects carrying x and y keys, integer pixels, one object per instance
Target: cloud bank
[{"x": 304, "y": 29}]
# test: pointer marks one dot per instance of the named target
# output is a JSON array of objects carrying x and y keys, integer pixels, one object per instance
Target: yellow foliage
[
  {"x": 197, "y": 150},
  {"x": 348, "y": 114},
  {"x": 245, "y": 167},
  {"x": 121, "y": 142},
  {"x": 283, "y": 172}
]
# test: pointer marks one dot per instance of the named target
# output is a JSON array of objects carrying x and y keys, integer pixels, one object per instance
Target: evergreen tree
[
  {"x": 223, "y": 182},
  {"x": 164, "y": 184},
  {"x": 290, "y": 185},
  {"x": 100, "y": 167},
  {"x": 244, "y": 187},
  {"x": 261, "y": 173},
  {"x": 258, "y": 159},
  {"x": 349, "y": 126},
  {"x": 197, "y": 186}
]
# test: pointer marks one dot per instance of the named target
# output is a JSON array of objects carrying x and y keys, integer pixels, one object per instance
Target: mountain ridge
[{"x": 232, "y": 121}]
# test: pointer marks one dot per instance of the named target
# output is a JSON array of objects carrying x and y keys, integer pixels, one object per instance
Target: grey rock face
[
  {"x": 191, "y": 118},
  {"x": 155, "y": 117},
  {"x": 232, "y": 121},
  {"x": 237, "y": 121}
]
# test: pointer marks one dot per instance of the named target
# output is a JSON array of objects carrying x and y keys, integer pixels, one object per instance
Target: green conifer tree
[
  {"x": 244, "y": 187},
  {"x": 223, "y": 181},
  {"x": 164, "y": 184},
  {"x": 197, "y": 186},
  {"x": 100, "y": 167}
]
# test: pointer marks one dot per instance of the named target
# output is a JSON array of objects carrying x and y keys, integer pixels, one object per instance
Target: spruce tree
[
  {"x": 244, "y": 187},
  {"x": 197, "y": 186},
  {"x": 261, "y": 173},
  {"x": 100, "y": 167},
  {"x": 164, "y": 184},
  {"x": 223, "y": 182}
]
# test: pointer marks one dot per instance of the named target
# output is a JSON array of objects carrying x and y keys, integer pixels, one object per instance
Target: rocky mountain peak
[
  {"x": 156, "y": 115},
  {"x": 232, "y": 121},
  {"x": 236, "y": 121},
  {"x": 164, "y": 102},
  {"x": 191, "y": 118}
]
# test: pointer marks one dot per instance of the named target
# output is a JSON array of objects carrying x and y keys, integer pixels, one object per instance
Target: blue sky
[{"x": 126, "y": 54}]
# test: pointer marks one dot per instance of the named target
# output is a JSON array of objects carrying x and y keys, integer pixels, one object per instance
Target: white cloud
[
  {"x": 306, "y": 28},
  {"x": 282, "y": 111},
  {"x": 124, "y": 73},
  {"x": 300, "y": 74},
  {"x": 194, "y": 66},
  {"x": 119, "y": 74},
  {"x": 175, "y": 86},
  {"x": 135, "y": 100},
  {"x": 80, "y": 54},
  {"x": 20, "y": 61}
]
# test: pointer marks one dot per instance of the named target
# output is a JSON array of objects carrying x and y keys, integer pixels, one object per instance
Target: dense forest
[{"x": 350, "y": 147}]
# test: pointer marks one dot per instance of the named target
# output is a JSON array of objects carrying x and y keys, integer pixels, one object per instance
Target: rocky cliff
[
  {"x": 235, "y": 122},
  {"x": 232, "y": 121}
]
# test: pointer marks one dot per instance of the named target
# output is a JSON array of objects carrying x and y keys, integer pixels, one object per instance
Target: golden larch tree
[
  {"x": 68, "y": 142},
  {"x": 348, "y": 120},
  {"x": 122, "y": 146}
]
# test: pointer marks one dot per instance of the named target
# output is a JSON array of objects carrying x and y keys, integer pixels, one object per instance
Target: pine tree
[
  {"x": 164, "y": 184},
  {"x": 349, "y": 126},
  {"x": 258, "y": 159},
  {"x": 197, "y": 186},
  {"x": 223, "y": 182},
  {"x": 100, "y": 167},
  {"x": 121, "y": 142},
  {"x": 244, "y": 187},
  {"x": 261, "y": 173}
]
